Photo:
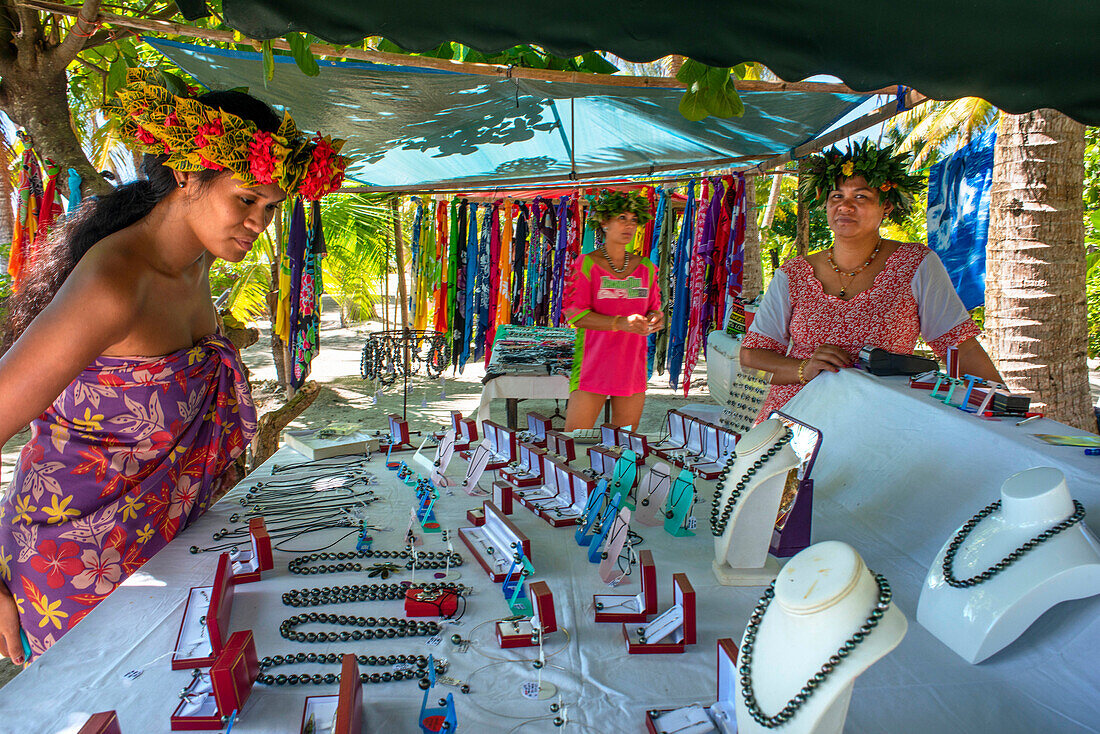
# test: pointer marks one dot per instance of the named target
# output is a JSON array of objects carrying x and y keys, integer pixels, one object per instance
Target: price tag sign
[
  {"x": 530, "y": 689},
  {"x": 692, "y": 523},
  {"x": 434, "y": 641}
]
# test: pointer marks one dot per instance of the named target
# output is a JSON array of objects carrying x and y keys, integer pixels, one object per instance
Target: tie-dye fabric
[{"x": 127, "y": 456}]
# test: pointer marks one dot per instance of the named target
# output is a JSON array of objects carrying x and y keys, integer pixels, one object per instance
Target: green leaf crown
[
  {"x": 613, "y": 203},
  {"x": 885, "y": 172}
]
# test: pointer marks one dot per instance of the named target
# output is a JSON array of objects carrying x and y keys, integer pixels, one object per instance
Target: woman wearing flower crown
[
  {"x": 821, "y": 309},
  {"x": 138, "y": 407},
  {"x": 614, "y": 301}
]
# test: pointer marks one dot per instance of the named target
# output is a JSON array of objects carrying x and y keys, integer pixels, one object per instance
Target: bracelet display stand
[
  {"x": 823, "y": 596},
  {"x": 525, "y": 632},
  {"x": 560, "y": 445},
  {"x": 247, "y": 566},
  {"x": 672, "y": 630},
  {"x": 498, "y": 534},
  {"x": 344, "y": 710},
  {"x": 205, "y": 621},
  {"x": 105, "y": 722},
  {"x": 741, "y": 550},
  {"x": 680, "y": 500},
  {"x": 651, "y": 495},
  {"x": 695, "y": 719},
  {"x": 213, "y": 697},
  {"x": 988, "y": 614},
  {"x": 627, "y": 608}
]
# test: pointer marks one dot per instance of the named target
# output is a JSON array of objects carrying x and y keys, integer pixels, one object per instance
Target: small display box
[
  {"x": 672, "y": 630},
  {"x": 560, "y": 445},
  {"x": 503, "y": 494},
  {"x": 105, "y": 722},
  {"x": 628, "y": 608},
  {"x": 720, "y": 717},
  {"x": 676, "y": 430},
  {"x": 399, "y": 438},
  {"x": 247, "y": 566},
  {"x": 465, "y": 431},
  {"x": 538, "y": 426},
  {"x": 441, "y": 603},
  {"x": 553, "y": 499},
  {"x": 212, "y": 697},
  {"x": 205, "y": 621},
  {"x": 527, "y": 472},
  {"x": 494, "y": 542},
  {"x": 525, "y": 632},
  {"x": 501, "y": 443},
  {"x": 343, "y": 711}
]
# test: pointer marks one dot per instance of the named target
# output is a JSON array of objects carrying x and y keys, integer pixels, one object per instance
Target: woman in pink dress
[
  {"x": 614, "y": 301},
  {"x": 821, "y": 309}
]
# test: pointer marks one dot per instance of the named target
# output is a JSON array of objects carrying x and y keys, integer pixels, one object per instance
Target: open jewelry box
[
  {"x": 344, "y": 710},
  {"x": 205, "y": 621},
  {"x": 677, "y": 437},
  {"x": 718, "y": 718},
  {"x": 212, "y": 697},
  {"x": 537, "y": 427},
  {"x": 501, "y": 443},
  {"x": 105, "y": 722},
  {"x": 525, "y": 632},
  {"x": 465, "y": 431},
  {"x": 246, "y": 566},
  {"x": 503, "y": 494},
  {"x": 561, "y": 446},
  {"x": 399, "y": 438},
  {"x": 553, "y": 500},
  {"x": 717, "y": 445},
  {"x": 527, "y": 471},
  {"x": 672, "y": 630},
  {"x": 631, "y": 608},
  {"x": 494, "y": 542},
  {"x": 792, "y": 528}
]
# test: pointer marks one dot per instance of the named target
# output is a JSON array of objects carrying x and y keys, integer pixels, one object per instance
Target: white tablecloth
[
  {"x": 541, "y": 387},
  {"x": 897, "y": 474}
]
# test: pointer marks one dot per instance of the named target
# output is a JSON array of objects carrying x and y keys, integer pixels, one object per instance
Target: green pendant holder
[{"x": 681, "y": 497}]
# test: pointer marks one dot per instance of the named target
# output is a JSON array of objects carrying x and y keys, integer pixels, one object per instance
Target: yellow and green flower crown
[
  {"x": 880, "y": 167},
  {"x": 196, "y": 136},
  {"x": 612, "y": 203}
]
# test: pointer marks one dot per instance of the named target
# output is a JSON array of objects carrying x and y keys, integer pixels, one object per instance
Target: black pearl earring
[{"x": 182, "y": 184}]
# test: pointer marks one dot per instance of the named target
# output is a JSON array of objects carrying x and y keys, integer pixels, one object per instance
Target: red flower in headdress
[
  {"x": 206, "y": 131},
  {"x": 324, "y": 173},
  {"x": 261, "y": 157},
  {"x": 210, "y": 164},
  {"x": 170, "y": 120},
  {"x": 145, "y": 136}
]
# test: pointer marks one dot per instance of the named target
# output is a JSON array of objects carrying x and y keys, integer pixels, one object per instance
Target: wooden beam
[{"x": 145, "y": 25}]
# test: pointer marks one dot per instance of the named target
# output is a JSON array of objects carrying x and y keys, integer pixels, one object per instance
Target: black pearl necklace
[
  {"x": 718, "y": 522},
  {"x": 374, "y": 628},
  {"x": 885, "y": 594},
  {"x": 433, "y": 560},
  {"x": 961, "y": 536},
  {"x": 407, "y": 672},
  {"x": 361, "y": 592},
  {"x": 616, "y": 268}
]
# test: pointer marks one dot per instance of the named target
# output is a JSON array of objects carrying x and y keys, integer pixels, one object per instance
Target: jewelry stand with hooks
[
  {"x": 519, "y": 632},
  {"x": 672, "y": 630},
  {"x": 247, "y": 566},
  {"x": 344, "y": 710},
  {"x": 719, "y": 717},
  {"x": 627, "y": 608},
  {"x": 495, "y": 542},
  {"x": 679, "y": 502},
  {"x": 205, "y": 621},
  {"x": 651, "y": 494},
  {"x": 746, "y": 504},
  {"x": 214, "y": 699},
  {"x": 611, "y": 554}
]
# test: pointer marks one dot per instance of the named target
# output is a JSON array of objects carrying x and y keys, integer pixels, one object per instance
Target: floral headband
[
  {"x": 196, "y": 136},
  {"x": 883, "y": 171},
  {"x": 611, "y": 203}
]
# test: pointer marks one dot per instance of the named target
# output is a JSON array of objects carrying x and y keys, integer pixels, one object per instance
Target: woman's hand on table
[
  {"x": 10, "y": 644},
  {"x": 826, "y": 358}
]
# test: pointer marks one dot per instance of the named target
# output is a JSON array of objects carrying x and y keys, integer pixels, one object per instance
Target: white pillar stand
[
  {"x": 978, "y": 621},
  {"x": 822, "y": 596},
  {"x": 741, "y": 551}
]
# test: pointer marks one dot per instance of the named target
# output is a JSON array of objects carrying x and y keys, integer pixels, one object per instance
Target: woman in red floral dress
[{"x": 821, "y": 309}]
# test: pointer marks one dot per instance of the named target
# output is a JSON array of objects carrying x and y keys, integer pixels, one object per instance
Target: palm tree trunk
[
  {"x": 1035, "y": 264},
  {"x": 802, "y": 213}
]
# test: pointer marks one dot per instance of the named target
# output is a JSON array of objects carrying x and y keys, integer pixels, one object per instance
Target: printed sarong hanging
[
  {"x": 442, "y": 251},
  {"x": 29, "y": 189},
  {"x": 484, "y": 274},
  {"x": 658, "y": 223},
  {"x": 519, "y": 263},
  {"x": 306, "y": 337},
  {"x": 707, "y": 222},
  {"x": 681, "y": 301},
  {"x": 504, "y": 288},
  {"x": 495, "y": 288},
  {"x": 461, "y": 248}
]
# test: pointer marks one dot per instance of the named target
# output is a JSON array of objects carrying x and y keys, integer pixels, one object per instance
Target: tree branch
[
  {"x": 85, "y": 24},
  {"x": 26, "y": 38},
  {"x": 7, "y": 33}
]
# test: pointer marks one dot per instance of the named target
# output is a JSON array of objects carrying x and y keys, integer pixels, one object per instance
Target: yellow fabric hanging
[{"x": 504, "y": 266}]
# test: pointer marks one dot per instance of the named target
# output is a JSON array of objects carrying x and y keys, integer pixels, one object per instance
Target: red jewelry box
[
  {"x": 105, "y": 722},
  {"x": 424, "y": 603},
  {"x": 560, "y": 445},
  {"x": 399, "y": 435},
  {"x": 502, "y": 442},
  {"x": 538, "y": 426},
  {"x": 502, "y": 497},
  {"x": 528, "y": 472},
  {"x": 349, "y": 702},
  {"x": 498, "y": 533},
  {"x": 224, "y": 690},
  {"x": 723, "y": 712},
  {"x": 684, "y": 595},
  {"x": 475, "y": 516},
  {"x": 524, "y": 632},
  {"x": 215, "y": 603},
  {"x": 465, "y": 431},
  {"x": 611, "y": 607},
  {"x": 553, "y": 500},
  {"x": 249, "y": 565}
]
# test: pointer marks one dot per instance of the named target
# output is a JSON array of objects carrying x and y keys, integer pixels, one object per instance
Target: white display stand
[
  {"x": 978, "y": 621},
  {"x": 822, "y": 597},
  {"x": 741, "y": 552}
]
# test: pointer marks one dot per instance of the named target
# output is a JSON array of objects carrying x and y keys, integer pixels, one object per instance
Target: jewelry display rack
[
  {"x": 213, "y": 698},
  {"x": 628, "y": 608},
  {"x": 494, "y": 542},
  {"x": 205, "y": 621},
  {"x": 609, "y": 555},
  {"x": 651, "y": 494},
  {"x": 248, "y": 565},
  {"x": 526, "y": 632},
  {"x": 719, "y": 717},
  {"x": 672, "y": 630},
  {"x": 344, "y": 710}
]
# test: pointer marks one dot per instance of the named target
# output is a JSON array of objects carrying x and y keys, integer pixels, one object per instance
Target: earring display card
[
  {"x": 747, "y": 393},
  {"x": 625, "y": 608},
  {"x": 105, "y": 722},
  {"x": 494, "y": 543},
  {"x": 205, "y": 621},
  {"x": 246, "y": 566}
]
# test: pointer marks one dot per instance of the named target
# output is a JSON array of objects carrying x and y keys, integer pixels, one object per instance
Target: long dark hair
[{"x": 99, "y": 217}]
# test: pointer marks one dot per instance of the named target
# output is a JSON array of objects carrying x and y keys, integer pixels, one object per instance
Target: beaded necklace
[
  {"x": 885, "y": 594},
  {"x": 854, "y": 273},
  {"x": 960, "y": 537},
  {"x": 407, "y": 672},
  {"x": 610, "y": 262},
  {"x": 375, "y": 627},
  {"x": 718, "y": 522},
  {"x": 361, "y": 592},
  {"x": 432, "y": 560}
]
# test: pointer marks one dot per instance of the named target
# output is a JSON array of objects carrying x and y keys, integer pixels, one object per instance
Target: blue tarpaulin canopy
[{"x": 414, "y": 128}]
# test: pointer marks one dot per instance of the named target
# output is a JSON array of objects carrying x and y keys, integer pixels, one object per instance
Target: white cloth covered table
[
  {"x": 896, "y": 475},
  {"x": 522, "y": 387}
]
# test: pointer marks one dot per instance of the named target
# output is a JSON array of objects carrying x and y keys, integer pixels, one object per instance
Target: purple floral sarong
[{"x": 127, "y": 456}]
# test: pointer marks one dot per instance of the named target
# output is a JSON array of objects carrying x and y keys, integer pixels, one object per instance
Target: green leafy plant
[{"x": 710, "y": 91}]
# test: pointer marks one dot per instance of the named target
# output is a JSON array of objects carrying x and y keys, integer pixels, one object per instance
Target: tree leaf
[
  {"x": 175, "y": 83},
  {"x": 303, "y": 57},
  {"x": 116, "y": 75},
  {"x": 268, "y": 61},
  {"x": 691, "y": 72},
  {"x": 597, "y": 64},
  {"x": 737, "y": 105},
  {"x": 692, "y": 106},
  {"x": 717, "y": 102}
]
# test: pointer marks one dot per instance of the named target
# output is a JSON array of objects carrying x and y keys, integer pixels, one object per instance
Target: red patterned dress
[{"x": 911, "y": 297}]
